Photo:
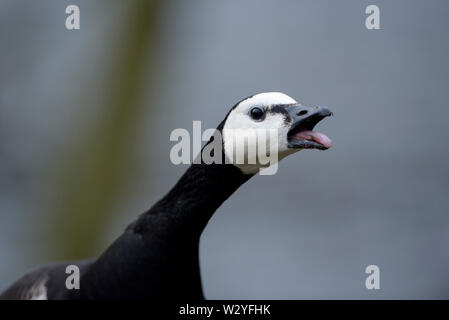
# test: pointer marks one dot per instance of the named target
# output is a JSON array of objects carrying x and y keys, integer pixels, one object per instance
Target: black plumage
[{"x": 157, "y": 255}]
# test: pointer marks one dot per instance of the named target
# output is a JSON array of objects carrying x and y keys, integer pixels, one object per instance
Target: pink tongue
[{"x": 315, "y": 136}]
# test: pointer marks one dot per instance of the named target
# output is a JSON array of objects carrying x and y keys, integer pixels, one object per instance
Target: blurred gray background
[{"x": 85, "y": 119}]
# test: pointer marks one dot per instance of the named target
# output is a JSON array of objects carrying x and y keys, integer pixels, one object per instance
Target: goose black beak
[{"x": 301, "y": 134}]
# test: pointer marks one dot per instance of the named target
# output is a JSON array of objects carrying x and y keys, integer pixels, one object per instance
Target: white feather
[
  {"x": 239, "y": 121},
  {"x": 38, "y": 291}
]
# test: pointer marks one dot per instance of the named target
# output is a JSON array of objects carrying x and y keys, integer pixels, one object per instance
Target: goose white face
[{"x": 274, "y": 122}]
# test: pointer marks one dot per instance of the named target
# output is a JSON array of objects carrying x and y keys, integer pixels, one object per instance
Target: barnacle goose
[{"x": 157, "y": 255}]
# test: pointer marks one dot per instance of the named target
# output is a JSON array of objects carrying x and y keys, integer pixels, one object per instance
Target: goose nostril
[{"x": 301, "y": 113}]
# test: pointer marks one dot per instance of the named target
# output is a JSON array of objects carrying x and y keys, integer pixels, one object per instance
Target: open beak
[{"x": 301, "y": 134}]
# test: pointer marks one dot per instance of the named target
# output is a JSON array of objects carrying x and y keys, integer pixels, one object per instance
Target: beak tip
[{"x": 325, "y": 111}]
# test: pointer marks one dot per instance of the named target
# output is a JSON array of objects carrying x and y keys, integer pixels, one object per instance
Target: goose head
[{"x": 271, "y": 124}]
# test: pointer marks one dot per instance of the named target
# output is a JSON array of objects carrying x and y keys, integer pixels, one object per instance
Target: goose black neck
[
  {"x": 158, "y": 254},
  {"x": 188, "y": 206}
]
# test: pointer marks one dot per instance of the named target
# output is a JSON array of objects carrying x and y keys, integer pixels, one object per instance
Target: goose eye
[{"x": 257, "y": 113}]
